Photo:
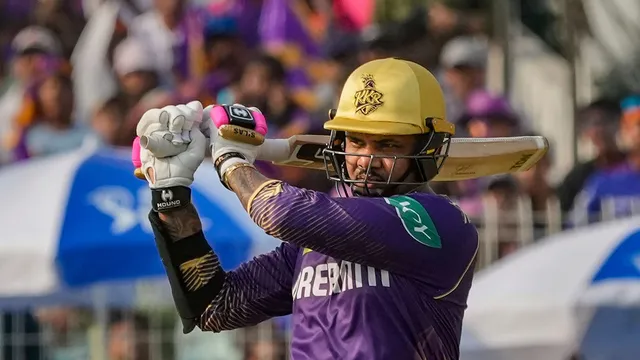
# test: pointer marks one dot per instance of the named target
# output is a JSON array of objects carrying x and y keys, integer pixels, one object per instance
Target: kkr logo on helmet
[{"x": 368, "y": 99}]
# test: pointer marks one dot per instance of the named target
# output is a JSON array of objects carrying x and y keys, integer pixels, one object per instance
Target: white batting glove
[
  {"x": 173, "y": 141},
  {"x": 240, "y": 131}
]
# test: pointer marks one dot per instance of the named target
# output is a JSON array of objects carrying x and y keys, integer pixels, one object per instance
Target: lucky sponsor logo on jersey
[
  {"x": 336, "y": 277},
  {"x": 416, "y": 220}
]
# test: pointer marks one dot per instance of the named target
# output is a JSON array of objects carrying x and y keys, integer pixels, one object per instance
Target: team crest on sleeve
[
  {"x": 416, "y": 220},
  {"x": 368, "y": 99},
  {"x": 196, "y": 273}
]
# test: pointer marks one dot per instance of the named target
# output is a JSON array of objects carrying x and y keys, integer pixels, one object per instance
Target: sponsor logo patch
[{"x": 416, "y": 220}]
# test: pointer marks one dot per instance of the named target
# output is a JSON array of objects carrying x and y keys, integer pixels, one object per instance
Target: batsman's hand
[
  {"x": 171, "y": 144},
  {"x": 240, "y": 132}
]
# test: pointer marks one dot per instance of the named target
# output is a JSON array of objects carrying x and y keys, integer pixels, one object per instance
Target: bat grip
[
  {"x": 274, "y": 150},
  {"x": 270, "y": 150}
]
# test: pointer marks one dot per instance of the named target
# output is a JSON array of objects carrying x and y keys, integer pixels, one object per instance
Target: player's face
[{"x": 364, "y": 145}]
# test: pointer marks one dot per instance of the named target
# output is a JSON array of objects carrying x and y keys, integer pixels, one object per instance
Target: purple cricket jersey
[{"x": 365, "y": 278}]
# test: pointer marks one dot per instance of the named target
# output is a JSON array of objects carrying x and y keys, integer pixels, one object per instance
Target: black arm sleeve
[{"x": 194, "y": 272}]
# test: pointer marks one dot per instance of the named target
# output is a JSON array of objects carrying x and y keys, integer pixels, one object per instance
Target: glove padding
[
  {"x": 172, "y": 144},
  {"x": 240, "y": 132}
]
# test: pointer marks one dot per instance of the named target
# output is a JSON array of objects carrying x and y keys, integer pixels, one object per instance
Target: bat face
[
  {"x": 469, "y": 158},
  {"x": 462, "y": 168}
]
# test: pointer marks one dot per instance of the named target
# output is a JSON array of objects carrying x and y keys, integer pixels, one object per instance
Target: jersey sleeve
[
  {"x": 256, "y": 291},
  {"x": 423, "y": 236}
]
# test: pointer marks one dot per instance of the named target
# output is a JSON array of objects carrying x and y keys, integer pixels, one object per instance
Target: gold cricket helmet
[{"x": 391, "y": 97}]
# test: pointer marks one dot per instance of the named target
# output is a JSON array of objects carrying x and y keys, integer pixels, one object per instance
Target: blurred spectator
[
  {"x": 464, "y": 61},
  {"x": 350, "y": 15},
  {"x": 445, "y": 18},
  {"x": 36, "y": 53},
  {"x": 286, "y": 31},
  {"x": 499, "y": 205},
  {"x": 129, "y": 338},
  {"x": 378, "y": 41},
  {"x": 108, "y": 121},
  {"x": 394, "y": 11},
  {"x": 264, "y": 342},
  {"x": 418, "y": 43},
  {"x": 456, "y": 17},
  {"x": 62, "y": 19},
  {"x": 204, "y": 345},
  {"x": 341, "y": 52},
  {"x": 419, "y": 30},
  {"x": 534, "y": 185},
  {"x": 599, "y": 125},
  {"x": 487, "y": 115},
  {"x": 173, "y": 34},
  {"x": 136, "y": 70},
  {"x": 225, "y": 54},
  {"x": 263, "y": 85},
  {"x": 140, "y": 85},
  {"x": 68, "y": 328},
  {"x": 616, "y": 193},
  {"x": 129, "y": 9},
  {"x": 508, "y": 202},
  {"x": 54, "y": 129}
]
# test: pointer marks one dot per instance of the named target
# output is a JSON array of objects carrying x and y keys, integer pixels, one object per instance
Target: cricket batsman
[{"x": 381, "y": 274}]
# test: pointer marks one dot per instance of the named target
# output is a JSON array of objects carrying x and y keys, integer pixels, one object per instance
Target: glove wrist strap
[
  {"x": 227, "y": 161},
  {"x": 222, "y": 159},
  {"x": 170, "y": 199}
]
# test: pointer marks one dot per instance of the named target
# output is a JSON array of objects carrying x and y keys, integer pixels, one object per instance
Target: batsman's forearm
[
  {"x": 193, "y": 269},
  {"x": 181, "y": 223},
  {"x": 205, "y": 295},
  {"x": 244, "y": 181}
]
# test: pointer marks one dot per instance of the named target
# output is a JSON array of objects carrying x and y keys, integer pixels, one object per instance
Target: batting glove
[
  {"x": 172, "y": 144},
  {"x": 240, "y": 131}
]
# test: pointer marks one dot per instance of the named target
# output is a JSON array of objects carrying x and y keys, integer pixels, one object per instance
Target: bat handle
[
  {"x": 270, "y": 150},
  {"x": 275, "y": 150}
]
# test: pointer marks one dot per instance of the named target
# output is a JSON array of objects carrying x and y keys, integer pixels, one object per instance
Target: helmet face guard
[{"x": 430, "y": 153}]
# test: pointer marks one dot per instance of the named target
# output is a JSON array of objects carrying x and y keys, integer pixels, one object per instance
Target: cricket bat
[{"x": 468, "y": 158}]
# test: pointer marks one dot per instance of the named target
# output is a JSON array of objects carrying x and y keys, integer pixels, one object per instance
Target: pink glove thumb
[{"x": 135, "y": 158}]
